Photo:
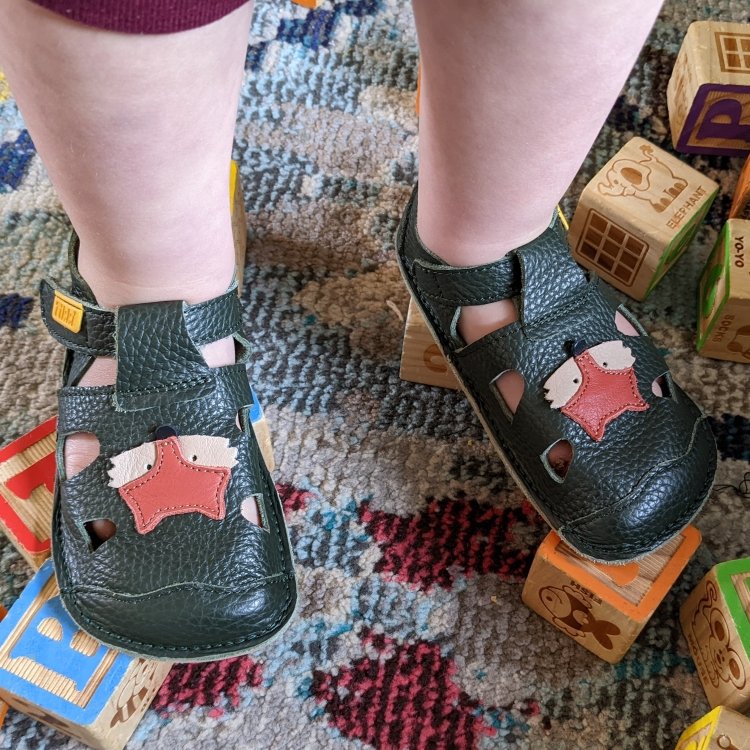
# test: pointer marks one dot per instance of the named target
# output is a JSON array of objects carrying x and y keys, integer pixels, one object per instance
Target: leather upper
[
  {"x": 648, "y": 476},
  {"x": 193, "y": 587}
]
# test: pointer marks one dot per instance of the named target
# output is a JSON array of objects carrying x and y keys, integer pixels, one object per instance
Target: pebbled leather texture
[
  {"x": 192, "y": 588},
  {"x": 624, "y": 495}
]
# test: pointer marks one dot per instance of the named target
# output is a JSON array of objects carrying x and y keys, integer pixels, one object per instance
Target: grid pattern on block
[
  {"x": 611, "y": 248},
  {"x": 734, "y": 52}
]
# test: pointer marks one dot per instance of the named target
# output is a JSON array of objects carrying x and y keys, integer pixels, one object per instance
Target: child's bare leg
[
  {"x": 513, "y": 94},
  {"x": 136, "y": 134}
]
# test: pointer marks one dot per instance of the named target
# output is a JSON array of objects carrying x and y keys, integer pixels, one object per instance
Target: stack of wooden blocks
[
  {"x": 709, "y": 113},
  {"x": 49, "y": 668}
]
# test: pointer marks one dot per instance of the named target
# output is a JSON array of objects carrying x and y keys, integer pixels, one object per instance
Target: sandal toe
[
  {"x": 193, "y": 622},
  {"x": 660, "y": 507}
]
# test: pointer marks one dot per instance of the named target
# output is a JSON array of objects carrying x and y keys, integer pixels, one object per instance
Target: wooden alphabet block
[
  {"x": 421, "y": 358},
  {"x": 715, "y": 622},
  {"x": 27, "y": 479},
  {"x": 720, "y": 729},
  {"x": 708, "y": 95},
  {"x": 724, "y": 296},
  {"x": 307, "y": 3},
  {"x": 262, "y": 433},
  {"x": 638, "y": 215},
  {"x": 239, "y": 220},
  {"x": 740, "y": 208},
  {"x": 57, "y": 674},
  {"x": 603, "y": 607}
]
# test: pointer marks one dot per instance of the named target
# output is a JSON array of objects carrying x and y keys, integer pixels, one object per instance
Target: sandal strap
[
  {"x": 89, "y": 329},
  {"x": 474, "y": 285}
]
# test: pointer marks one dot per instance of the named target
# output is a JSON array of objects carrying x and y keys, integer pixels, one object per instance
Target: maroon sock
[{"x": 142, "y": 16}]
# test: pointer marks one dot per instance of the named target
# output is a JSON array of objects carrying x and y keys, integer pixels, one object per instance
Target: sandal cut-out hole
[
  {"x": 625, "y": 326},
  {"x": 80, "y": 452},
  {"x": 511, "y": 385},
  {"x": 660, "y": 387},
  {"x": 251, "y": 511},
  {"x": 558, "y": 458},
  {"x": 99, "y": 531}
]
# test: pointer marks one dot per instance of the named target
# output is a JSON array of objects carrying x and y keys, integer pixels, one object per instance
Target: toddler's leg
[
  {"x": 136, "y": 134},
  {"x": 513, "y": 94}
]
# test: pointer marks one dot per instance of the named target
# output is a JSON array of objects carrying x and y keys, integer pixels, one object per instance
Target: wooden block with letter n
[
  {"x": 724, "y": 296},
  {"x": 57, "y": 674},
  {"x": 638, "y": 215},
  {"x": 716, "y": 622},
  {"x": 27, "y": 479},
  {"x": 603, "y": 607},
  {"x": 708, "y": 95},
  {"x": 720, "y": 729},
  {"x": 421, "y": 358}
]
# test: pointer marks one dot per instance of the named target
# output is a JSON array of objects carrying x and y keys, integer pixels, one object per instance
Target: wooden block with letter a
[
  {"x": 708, "y": 95},
  {"x": 716, "y": 622},
  {"x": 720, "y": 729},
  {"x": 27, "y": 478},
  {"x": 740, "y": 208},
  {"x": 421, "y": 358},
  {"x": 638, "y": 215},
  {"x": 724, "y": 296},
  {"x": 603, "y": 607},
  {"x": 57, "y": 674}
]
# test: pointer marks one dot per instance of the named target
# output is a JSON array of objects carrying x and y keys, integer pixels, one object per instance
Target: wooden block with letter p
[
  {"x": 708, "y": 95},
  {"x": 724, "y": 296},
  {"x": 57, "y": 674},
  {"x": 27, "y": 478},
  {"x": 638, "y": 215},
  {"x": 720, "y": 729},
  {"x": 421, "y": 358},
  {"x": 603, "y": 607},
  {"x": 716, "y": 622}
]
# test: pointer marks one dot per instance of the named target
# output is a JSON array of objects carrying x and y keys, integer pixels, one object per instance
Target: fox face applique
[
  {"x": 595, "y": 386},
  {"x": 174, "y": 475}
]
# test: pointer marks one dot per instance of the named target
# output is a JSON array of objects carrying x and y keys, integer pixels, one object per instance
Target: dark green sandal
[
  {"x": 187, "y": 576},
  {"x": 642, "y": 465}
]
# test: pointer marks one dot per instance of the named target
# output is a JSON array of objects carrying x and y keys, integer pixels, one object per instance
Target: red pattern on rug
[
  {"x": 404, "y": 696},
  {"x": 292, "y": 498},
  {"x": 207, "y": 684},
  {"x": 426, "y": 548}
]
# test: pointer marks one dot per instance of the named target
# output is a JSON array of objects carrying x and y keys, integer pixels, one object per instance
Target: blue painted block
[
  {"x": 53, "y": 671},
  {"x": 256, "y": 412}
]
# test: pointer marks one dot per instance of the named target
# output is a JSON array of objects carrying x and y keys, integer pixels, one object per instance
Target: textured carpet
[{"x": 412, "y": 543}]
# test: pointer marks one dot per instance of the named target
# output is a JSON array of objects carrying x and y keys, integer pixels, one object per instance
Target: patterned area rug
[{"x": 411, "y": 541}]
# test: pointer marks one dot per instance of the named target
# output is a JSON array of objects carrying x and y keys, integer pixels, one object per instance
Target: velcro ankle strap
[
  {"x": 77, "y": 323},
  {"x": 474, "y": 285},
  {"x": 87, "y": 328}
]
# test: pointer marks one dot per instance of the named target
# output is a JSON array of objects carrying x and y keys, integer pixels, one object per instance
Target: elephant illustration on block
[{"x": 648, "y": 179}]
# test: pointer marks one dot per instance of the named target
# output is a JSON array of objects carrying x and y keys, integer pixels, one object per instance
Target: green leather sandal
[
  {"x": 188, "y": 575},
  {"x": 642, "y": 465}
]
